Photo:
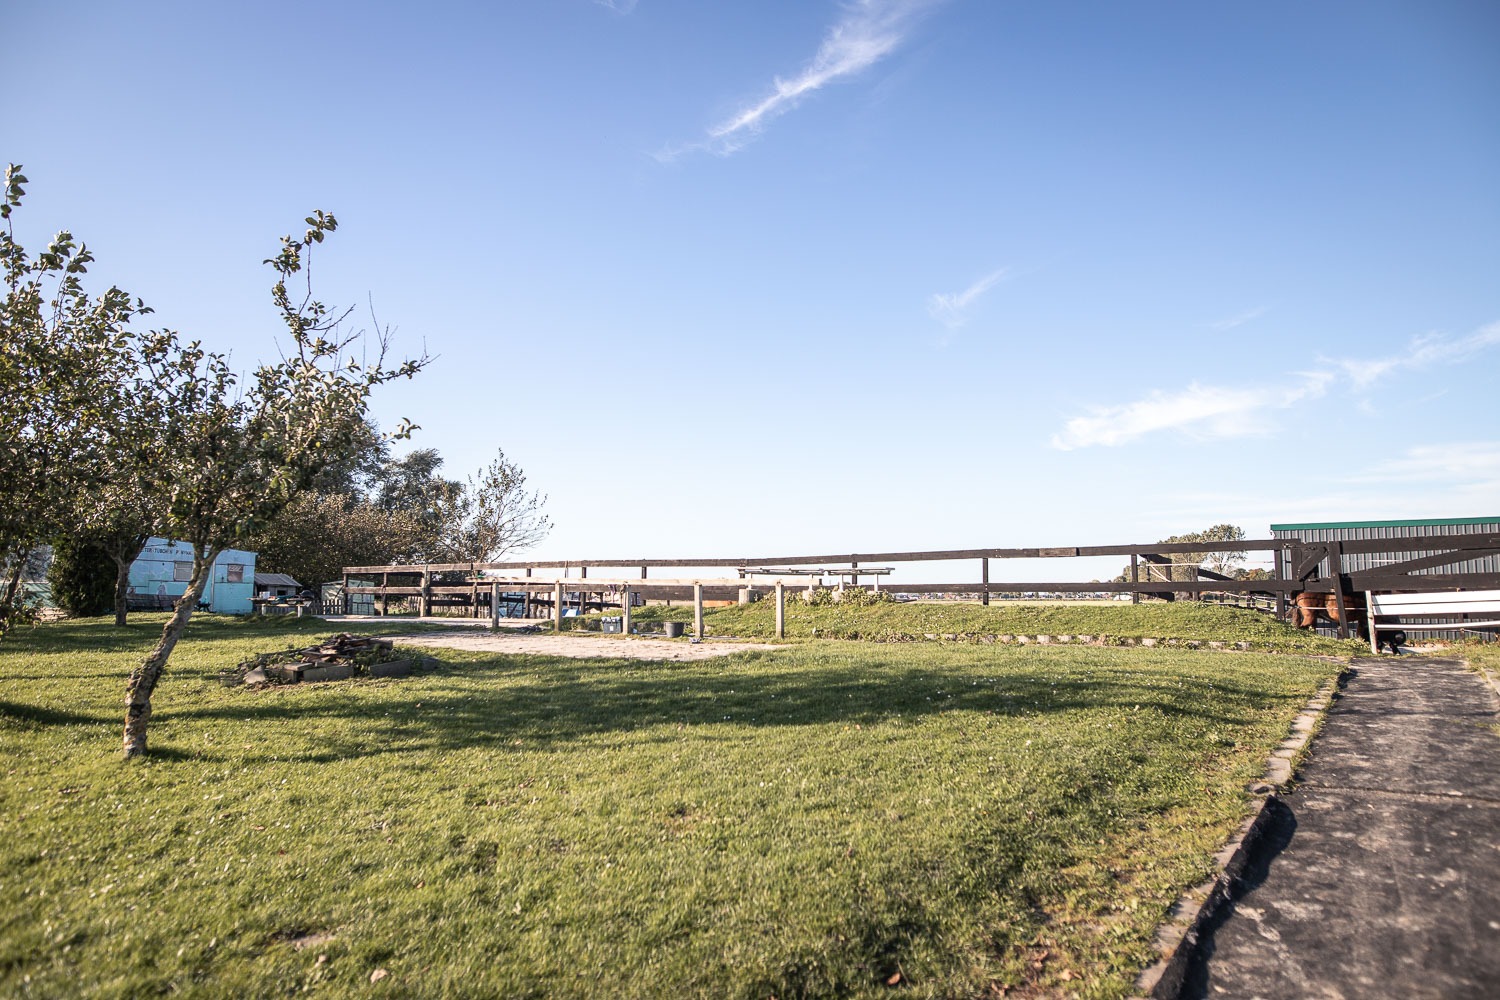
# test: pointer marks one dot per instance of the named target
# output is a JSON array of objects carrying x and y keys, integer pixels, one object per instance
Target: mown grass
[
  {"x": 832, "y": 819},
  {"x": 891, "y": 621}
]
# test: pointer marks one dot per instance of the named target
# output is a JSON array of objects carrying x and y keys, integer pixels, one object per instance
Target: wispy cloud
[
  {"x": 1199, "y": 410},
  {"x": 618, "y": 6},
  {"x": 1454, "y": 463},
  {"x": 1219, "y": 411},
  {"x": 1248, "y": 316},
  {"x": 869, "y": 31},
  {"x": 1437, "y": 480},
  {"x": 952, "y": 310},
  {"x": 1426, "y": 350}
]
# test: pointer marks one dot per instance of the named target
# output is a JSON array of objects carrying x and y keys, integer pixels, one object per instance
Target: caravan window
[
  {"x": 182, "y": 571},
  {"x": 234, "y": 572}
]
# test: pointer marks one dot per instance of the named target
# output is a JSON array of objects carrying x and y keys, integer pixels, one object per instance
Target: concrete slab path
[{"x": 1382, "y": 878}]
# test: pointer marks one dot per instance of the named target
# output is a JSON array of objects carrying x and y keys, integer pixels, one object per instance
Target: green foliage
[
  {"x": 317, "y": 534},
  {"x": 853, "y": 597},
  {"x": 800, "y": 823},
  {"x": 82, "y": 576},
  {"x": 66, "y": 360}
]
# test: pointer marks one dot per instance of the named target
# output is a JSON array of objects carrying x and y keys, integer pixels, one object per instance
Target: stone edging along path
[
  {"x": 1082, "y": 640},
  {"x": 1177, "y": 938}
]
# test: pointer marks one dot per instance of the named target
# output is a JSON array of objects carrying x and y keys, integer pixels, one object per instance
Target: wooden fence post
[
  {"x": 698, "y": 610},
  {"x": 625, "y": 615},
  {"x": 424, "y": 605},
  {"x": 1336, "y": 564},
  {"x": 984, "y": 576},
  {"x": 1280, "y": 573},
  {"x": 1135, "y": 577},
  {"x": 780, "y": 609},
  {"x": 494, "y": 605},
  {"x": 557, "y": 599}
]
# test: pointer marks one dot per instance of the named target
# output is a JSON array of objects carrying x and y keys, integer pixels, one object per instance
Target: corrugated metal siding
[{"x": 1356, "y": 561}]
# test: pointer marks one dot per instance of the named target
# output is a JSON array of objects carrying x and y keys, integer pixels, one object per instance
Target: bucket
[{"x": 672, "y": 629}]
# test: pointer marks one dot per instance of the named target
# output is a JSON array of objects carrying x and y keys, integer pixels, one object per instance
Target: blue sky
[{"x": 809, "y": 276}]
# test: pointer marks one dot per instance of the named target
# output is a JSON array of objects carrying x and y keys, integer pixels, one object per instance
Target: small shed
[{"x": 276, "y": 585}]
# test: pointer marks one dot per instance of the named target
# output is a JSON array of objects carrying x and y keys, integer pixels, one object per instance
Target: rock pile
[{"x": 337, "y": 658}]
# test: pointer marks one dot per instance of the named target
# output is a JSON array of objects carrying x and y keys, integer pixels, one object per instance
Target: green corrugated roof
[{"x": 1385, "y": 524}]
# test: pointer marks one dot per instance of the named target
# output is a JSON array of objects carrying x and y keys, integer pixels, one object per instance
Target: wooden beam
[
  {"x": 941, "y": 555},
  {"x": 557, "y": 608},
  {"x": 625, "y": 614},
  {"x": 1434, "y": 562},
  {"x": 984, "y": 576}
]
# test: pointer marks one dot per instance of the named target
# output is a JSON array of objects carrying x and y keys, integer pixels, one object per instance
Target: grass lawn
[
  {"x": 831, "y": 819},
  {"x": 891, "y": 621}
]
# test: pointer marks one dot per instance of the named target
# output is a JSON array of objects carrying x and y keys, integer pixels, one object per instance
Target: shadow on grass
[
  {"x": 543, "y": 701},
  {"x": 50, "y": 716}
]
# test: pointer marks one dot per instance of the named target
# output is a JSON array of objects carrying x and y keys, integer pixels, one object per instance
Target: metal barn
[{"x": 1343, "y": 531}]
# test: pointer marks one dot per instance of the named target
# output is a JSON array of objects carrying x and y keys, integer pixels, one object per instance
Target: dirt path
[{"x": 580, "y": 646}]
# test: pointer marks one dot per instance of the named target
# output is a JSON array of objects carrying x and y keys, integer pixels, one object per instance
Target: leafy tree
[
  {"x": 63, "y": 353},
  {"x": 494, "y": 515},
  {"x": 318, "y": 534},
  {"x": 82, "y": 577},
  {"x": 229, "y": 461}
]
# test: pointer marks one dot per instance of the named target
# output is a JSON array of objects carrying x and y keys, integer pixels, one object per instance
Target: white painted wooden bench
[{"x": 1451, "y": 602}]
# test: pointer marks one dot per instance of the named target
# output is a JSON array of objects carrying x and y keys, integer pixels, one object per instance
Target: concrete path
[{"x": 1383, "y": 876}]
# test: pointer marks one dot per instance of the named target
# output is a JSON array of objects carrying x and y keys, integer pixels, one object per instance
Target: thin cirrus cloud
[
  {"x": 1204, "y": 411},
  {"x": 1428, "y": 349},
  {"x": 618, "y": 6},
  {"x": 1208, "y": 412},
  {"x": 1248, "y": 316},
  {"x": 869, "y": 31},
  {"x": 952, "y": 310}
]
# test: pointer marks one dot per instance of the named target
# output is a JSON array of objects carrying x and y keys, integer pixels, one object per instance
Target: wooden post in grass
[
  {"x": 1336, "y": 564},
  {"x": 625, "y": 615},
  {"x": 780, "y": 610},
  {"x": 1135, "y": 577},
  {"x": 984, "y": 575},
  {"x": 557, "y": 606},
  {"x": 698, "y": 610},
  {"x": 424, "y": 606},
  {"x": 494, "y": 605},
  {"x": 1279, "y": 573}
]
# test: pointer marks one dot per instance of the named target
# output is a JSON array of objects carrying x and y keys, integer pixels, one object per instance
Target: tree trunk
[
  {"x": 122, "y": 590},
  {"x": 143, "y": 678},
  {"x": 124, "y": 557}
]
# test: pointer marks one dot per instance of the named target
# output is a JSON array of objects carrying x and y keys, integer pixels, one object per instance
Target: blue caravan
[{"x": 161, "y": 573}]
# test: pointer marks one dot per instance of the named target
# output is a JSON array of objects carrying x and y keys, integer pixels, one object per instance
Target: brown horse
[{"x": 1307, "y": 608}]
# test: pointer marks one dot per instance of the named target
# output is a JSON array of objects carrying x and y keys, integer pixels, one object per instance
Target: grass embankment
[
  {"x": 822, "y": 820},
  {"x": 891, "y": 621}
]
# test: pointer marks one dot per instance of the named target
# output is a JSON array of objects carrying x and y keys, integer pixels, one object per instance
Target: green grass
[
  {"x": 889, "y": 621},
  {"x": 807, "y": 822}
]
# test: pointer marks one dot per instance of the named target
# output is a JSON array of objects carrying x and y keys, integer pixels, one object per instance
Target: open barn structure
[{"x": 1333, "y": 570}]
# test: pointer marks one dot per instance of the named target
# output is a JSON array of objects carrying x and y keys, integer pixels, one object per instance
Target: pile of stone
[{"x": 337, "y": 658}]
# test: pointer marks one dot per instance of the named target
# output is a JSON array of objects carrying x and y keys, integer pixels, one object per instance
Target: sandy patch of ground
[{"x": 581, "y": 646}]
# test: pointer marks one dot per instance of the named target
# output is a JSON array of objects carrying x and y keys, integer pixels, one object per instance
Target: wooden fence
[{"x": 1298, "y": 567}]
